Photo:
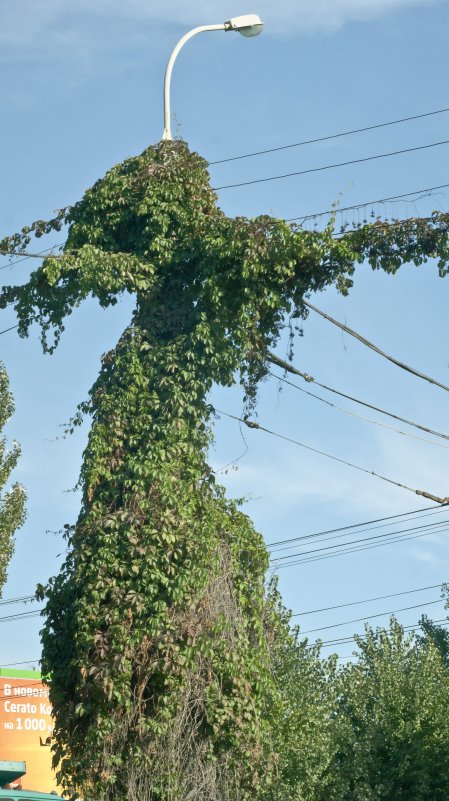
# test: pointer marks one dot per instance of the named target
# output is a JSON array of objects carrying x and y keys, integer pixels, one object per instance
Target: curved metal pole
[{"x": 167, "y": 127}]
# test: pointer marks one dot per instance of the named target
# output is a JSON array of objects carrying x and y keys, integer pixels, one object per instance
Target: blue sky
[{"x": 81, "y": 88}]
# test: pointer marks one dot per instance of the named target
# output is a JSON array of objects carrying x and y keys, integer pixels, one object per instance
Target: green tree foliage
[
  {"x": 303, "y": 721},
  {"x": 12, "y": 500},
  {"x": 158, "y": 633},
  {"x": 435, "y": 632},
  {"x": 392, "y": 726}
]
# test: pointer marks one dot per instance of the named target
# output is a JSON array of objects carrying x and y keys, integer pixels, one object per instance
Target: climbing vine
[
  {"x": 159, "y": 632},
  {"x": 12, "y": 500}
]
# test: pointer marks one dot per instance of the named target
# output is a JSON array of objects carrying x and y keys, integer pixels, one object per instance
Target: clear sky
[{"x": 81, "y": 87}]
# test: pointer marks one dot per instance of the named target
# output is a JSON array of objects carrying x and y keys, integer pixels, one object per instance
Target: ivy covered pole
[{"x": 159, "y": 634}]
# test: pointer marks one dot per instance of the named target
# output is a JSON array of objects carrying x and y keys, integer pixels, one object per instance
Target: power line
[
  {"x": 367, "y": 600},
  {"x": 253, "y": 424},
  {"x": 392, "y": 541},
  {"x": 413, "y": 529},
  {"x": 23, "y": 662},
  {"x": 28, "y": 255},
  {"x": 25, "y": 258},
  {"x": 367, "y": 523},
  {"x": 338, "y": 209},
  {"x": 427, "y": 191},
  {"x": 27, "y": 687},
  {"x": 371, "y": 617},
  {"x": 39, "y": 693},
  {"x": 359, "y": 416},
  {"x": 342, "y": 640},
  {"x": 290, "y": 369},
  {"x": 296, "y": 614},
  {"x": 382, "y": 225},
  {"x": 11, "y": 328},
  {"x": 389, "y": 536},
  {"x": 20, "y": 616},
  {"x": 331, "y": 136},
  {"x": 368, "y": 527},
  {"x": 18, "y": 600},
  {"x": 40, "y": 255},
  {"x": 332, "y": 166},
  {"x": 373, "y": 347}
]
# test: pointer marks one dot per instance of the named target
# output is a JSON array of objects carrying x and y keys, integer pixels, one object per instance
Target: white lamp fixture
[{"x": 248, "y": 25}]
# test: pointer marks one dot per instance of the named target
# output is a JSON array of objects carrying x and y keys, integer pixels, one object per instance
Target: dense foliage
[
  {"x": 164, "y": 649},
  {"x": 436, "y": 633},
  {"x": 375, "y": 729},
  {"x": 12, "y": 500},
  {"x": 303, "y": 724},
  {"x": 392, "y": 727}
]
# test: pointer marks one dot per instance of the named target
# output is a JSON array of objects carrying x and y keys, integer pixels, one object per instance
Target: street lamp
[{"x": 248, "y": 25}]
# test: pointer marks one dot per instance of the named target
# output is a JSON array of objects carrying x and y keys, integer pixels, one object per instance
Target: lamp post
[{"x": 248, "y": 25}]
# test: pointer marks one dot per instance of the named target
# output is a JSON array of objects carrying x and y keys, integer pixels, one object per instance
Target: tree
[
  {"x": 392, "y": 727},
  {"x": 303, "y": 722},
  {"x": 436, "y": 632},
  {"x": 156, "y": 634},
  {"x": 12, "y": 500}
]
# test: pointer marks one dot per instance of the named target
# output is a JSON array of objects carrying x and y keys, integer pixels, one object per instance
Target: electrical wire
[
  {"x": 339, "y": 641},
  {"x": 373, "y": 347},
  {"x": 276, "y": 559},
  {"x": 20, "y": 615},
  {"x": 358, "y": 416},
  {"x": 253, "y": 424},
  {"x": 296, "y": 614},
  {"x": 331, "y": 136},
  {"x": 319, "y": 540},
  {"x": 309, "y": 379},
  {"x": 384, "y": 224},
  {"x": 343, "y": 640},
  {"x": 430, "y": 527},
  {"x": 427, "y": 192},
  {"x": 11, "y": 328},
  {"x": 434, "y": 526},
  {"x": 315, "y": 611},
  {"x": 20, "y": 599},
  {"x": 371, "y": 617},
  {"x": 319, "y": 558},
  {"x": 331, "y": 166},
  {"x": 23, "y": 662},
  {"x": 321, "y": 643},
  {"x": 367, "y": 523},
  {"x": 367, "y": 600},
  {"x": 342, "y": 531},
  {"x": 28, "y": 256},
  {"x": 42, "y": 693}
]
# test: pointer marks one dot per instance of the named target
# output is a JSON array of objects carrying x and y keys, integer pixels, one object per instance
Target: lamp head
[{"x": 248, "y": 25}]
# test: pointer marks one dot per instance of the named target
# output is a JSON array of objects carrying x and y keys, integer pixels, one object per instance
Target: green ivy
[
  {"x": 12, "y": 500},
  {"x": 159, "y": 634}
]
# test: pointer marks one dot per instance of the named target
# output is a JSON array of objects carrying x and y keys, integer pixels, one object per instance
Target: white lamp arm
[{"x": 167, "y": 113}]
